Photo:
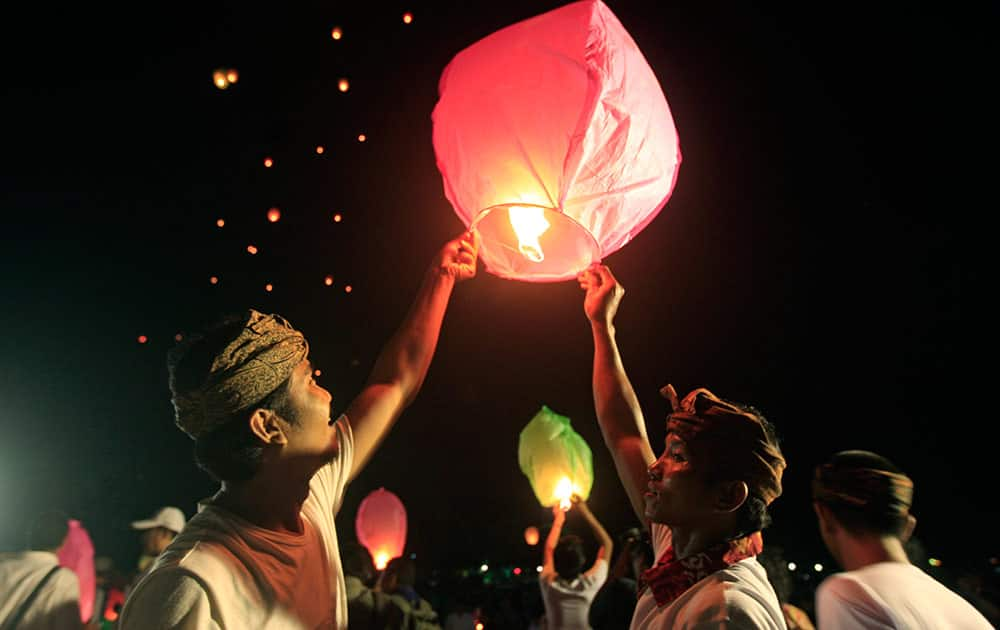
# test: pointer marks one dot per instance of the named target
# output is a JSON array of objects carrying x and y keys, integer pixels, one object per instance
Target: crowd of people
[{"x": 263, "y": 551}]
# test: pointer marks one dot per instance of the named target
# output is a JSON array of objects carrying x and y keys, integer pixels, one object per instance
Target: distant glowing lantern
[
  {"x": 407, "y": 17},
  {"x": 343, "y": 85},
  {"x": 362, "y": 137},
  {"x": 220, "y": 80},
  {"x": 319, "y": 150},
  {"x": 554, "y": 139},
  {"x": 252, "y": 249},
  {"x": 268, "y": 162},
  {"x": 317, "y": 372},
  {"x": 77, "y": 554},
  {"x": 336, "y": 33},
  {"x": 143, "y": 339},
  {"x": 268, "y": 287},
  {"x": 220, "y": 222},
  {"x": 348, "y": 289},
  {"x": 531, "y": 535},
  {"x": 178, "y": 337},
  {"x": 479, "y": 625},
  {"x": 337, "y": 218},
  {"x": 274, "y": 215},
  {"x": 214, "y": 280},
  {"x": 232, "y": 75},
  {"x": 328, "y": 281},
  {"x": 555, "y": 459},
  {"x": 381, "y": 526}
]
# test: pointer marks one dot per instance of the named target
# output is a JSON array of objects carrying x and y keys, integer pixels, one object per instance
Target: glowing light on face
[
  {"x": 407, "y": 17},
  {"x": 220, "y": 222},
  {"x": 328, "y": 281},
  {"x": 274, "y": 215},
  {"x": 251, "y": 249},
  {"x": 268, "y": 162},
  {"x": 381, "y": 559},
  {"x": 336, "y": 33},
  {"x": 343, "y": 85},
  {"x": 529, "y": 224}
]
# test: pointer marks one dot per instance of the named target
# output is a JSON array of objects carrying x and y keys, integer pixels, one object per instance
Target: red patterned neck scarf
[{"x": 670, "y": 577}]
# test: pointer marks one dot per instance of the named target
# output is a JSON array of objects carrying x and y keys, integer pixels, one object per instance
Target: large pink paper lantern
[
  {"x": 555, "y": 141},
  {"x": 77, "y": 554},
  {"x": 381, "y": 526}
]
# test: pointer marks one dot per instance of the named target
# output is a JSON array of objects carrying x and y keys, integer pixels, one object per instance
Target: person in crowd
[
  {"x": 567, "y": 589},
  {"x": 263, "y": 551},
  {"x": 613, "y": 605},
  {"x": 35, "y": 592},
  {"x": 158, "y": 531},
  {"x": 862, "y": 503},
  {"x": 705, "y": 497},
  {"x": 368, "y": 608},
  {"x": 399, "y": 580}
]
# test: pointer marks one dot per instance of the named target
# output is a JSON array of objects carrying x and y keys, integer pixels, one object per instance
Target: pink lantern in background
[
  {"x": 77, "y": 554},
  {"x": 381, "y": 526},
  {"x": 555, "y": 141}
]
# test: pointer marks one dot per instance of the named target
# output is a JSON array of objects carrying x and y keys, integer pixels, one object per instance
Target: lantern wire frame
[{"x": 568, "y": 246}]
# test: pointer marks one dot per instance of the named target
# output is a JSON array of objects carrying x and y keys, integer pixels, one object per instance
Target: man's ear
[
  {"x": 911, "y": 524},
  {"x": 265, "y": 424},
  {"x": 731, "y": 495}
]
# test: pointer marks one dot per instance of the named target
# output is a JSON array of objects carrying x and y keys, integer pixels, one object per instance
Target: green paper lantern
[{"x": 555, "y": 459}]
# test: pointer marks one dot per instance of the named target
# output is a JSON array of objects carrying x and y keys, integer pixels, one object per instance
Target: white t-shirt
[
  {"x": 892, "y": 595},
  {"x": 57, "y": 605},
  {"x": 737, "y": 597},
  {"x": 222, "y": 572},
  {"x": 567, "y": 604}
]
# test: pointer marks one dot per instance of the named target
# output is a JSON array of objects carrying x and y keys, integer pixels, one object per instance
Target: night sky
[{"x": 810, "y": 260}]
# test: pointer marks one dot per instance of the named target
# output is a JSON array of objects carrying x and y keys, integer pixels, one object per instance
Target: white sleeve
[
  {"x": 598, "y": 574},
  {"x": 168, "y": 600},
  {"x": 62, "y": 600},
  {"x": 329, "y": 483}
]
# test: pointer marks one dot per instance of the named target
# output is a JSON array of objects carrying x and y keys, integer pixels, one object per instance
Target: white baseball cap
[{"x": 169, "y": 517}]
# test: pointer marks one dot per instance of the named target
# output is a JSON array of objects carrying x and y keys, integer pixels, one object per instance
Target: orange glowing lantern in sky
[
  {"x": 343, "y": 85},
  {"x": 336, "y": 33},
  {"x": 407, "y": 17},
  {"x": 220, "y": 80},
  {"x": 232, "y": 75},
  {"x": 531, "y": 535},
  {"x": 555, "y": 459},
  {"x": 252, "y": 249},
  {"x": 381, "y": 526},
  {"x": 220, "y": 222},
  {"x": 362, "y": 137},
  {"x": 268, "y": 162},
  {"x": 328, "y": 281},
  {"x": 554, "y": 139},
  {"x": 274, "y": 215}
]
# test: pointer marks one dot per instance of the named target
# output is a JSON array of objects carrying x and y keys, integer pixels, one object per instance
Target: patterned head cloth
[
  {"x": 869, "y": 489},
  {"x": 249, "y": 368},
  {"x": 740, "y": 445}
]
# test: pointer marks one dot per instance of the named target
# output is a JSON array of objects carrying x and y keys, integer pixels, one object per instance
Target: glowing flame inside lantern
[
  {"x": 564, "y": 490},
  {"x": 381, "y": 559},
  {"x": 529, "y": 224}
]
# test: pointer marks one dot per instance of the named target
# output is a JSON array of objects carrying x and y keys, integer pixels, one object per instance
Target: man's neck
[
  {"x": 266, "y": 501},
  {"x": 688, "y": 542},
  {"x": 857, "y": 553}
]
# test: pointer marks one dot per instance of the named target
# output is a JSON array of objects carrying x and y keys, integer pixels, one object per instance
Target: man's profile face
[
  {"x": 676, "y": 493},
  {"x": 311, "y": 436}
]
